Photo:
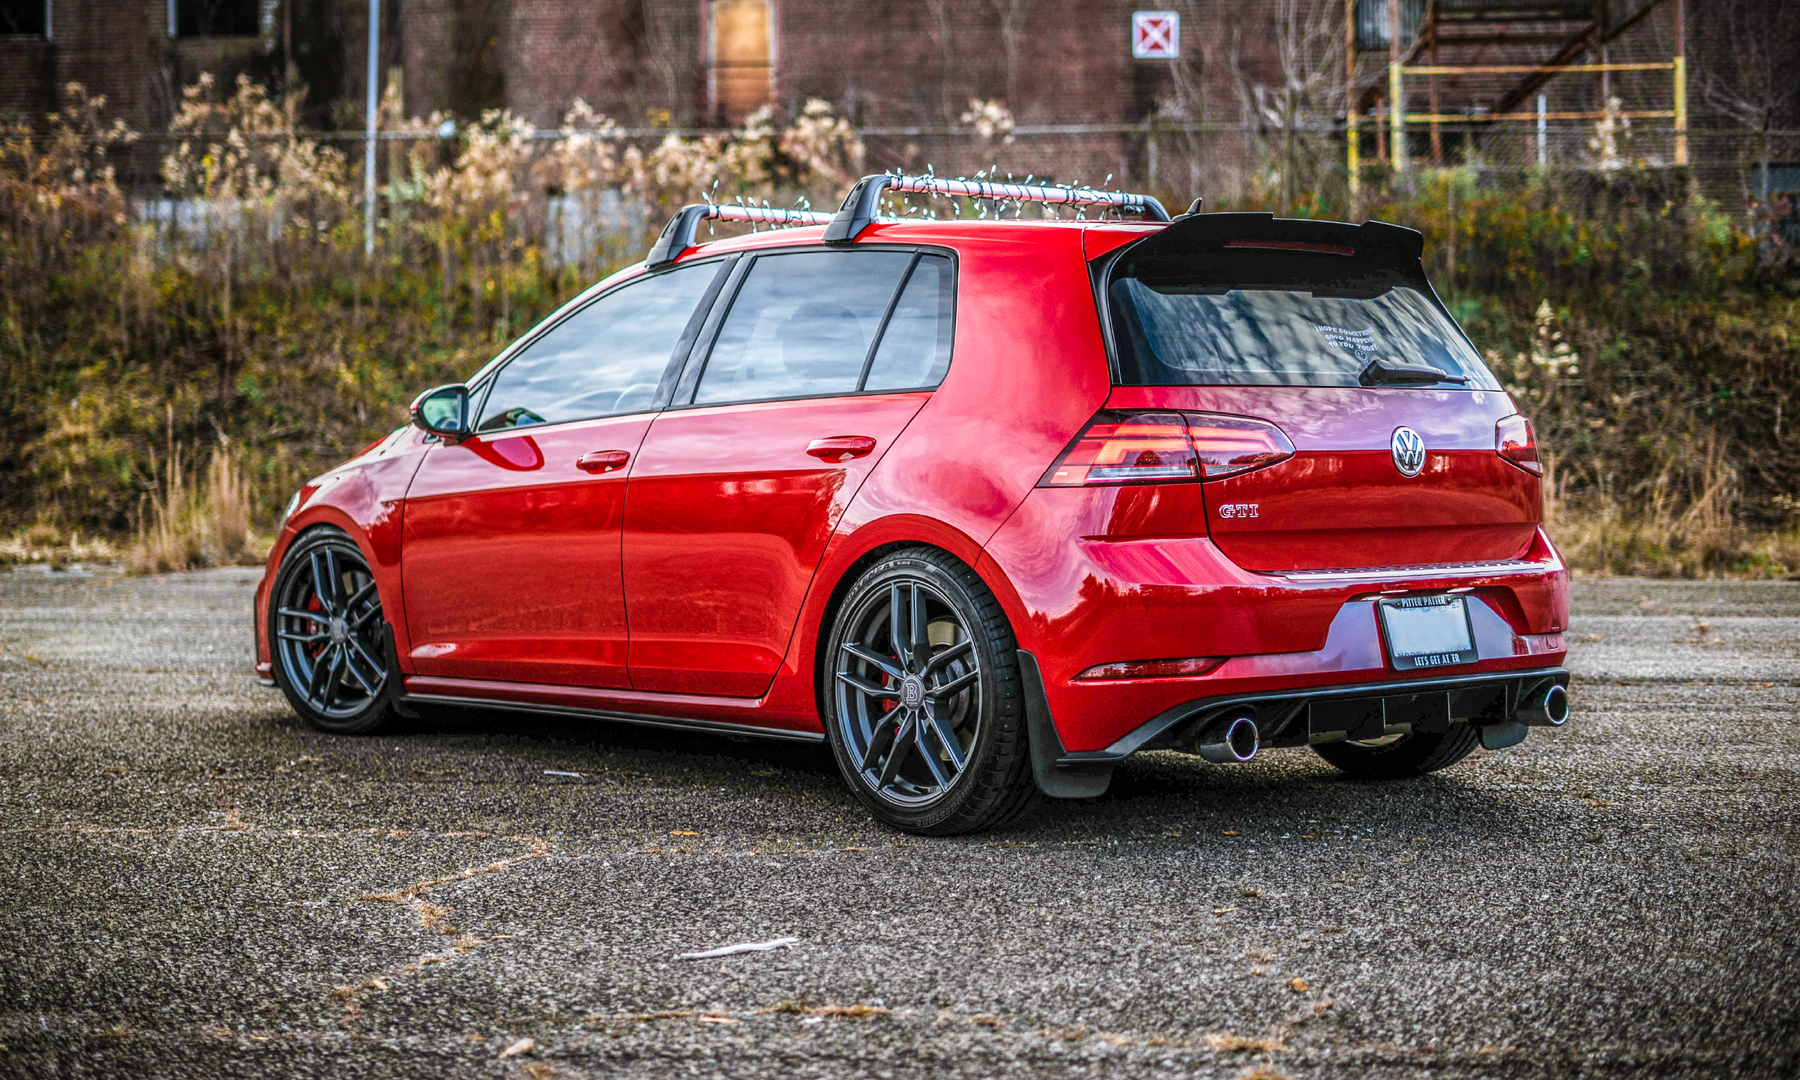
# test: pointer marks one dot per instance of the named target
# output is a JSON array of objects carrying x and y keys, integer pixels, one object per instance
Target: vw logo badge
[{"x": 1409, "y": 451}]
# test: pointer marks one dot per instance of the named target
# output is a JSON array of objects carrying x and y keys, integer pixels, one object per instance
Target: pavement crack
[{"x": 432, "y": 919}]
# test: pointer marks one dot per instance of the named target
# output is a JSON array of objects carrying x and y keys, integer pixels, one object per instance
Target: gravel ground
[{"x": 191, "y": 884}]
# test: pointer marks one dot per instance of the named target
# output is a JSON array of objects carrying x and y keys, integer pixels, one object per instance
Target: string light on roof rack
[{"x": 864, "y": 204}]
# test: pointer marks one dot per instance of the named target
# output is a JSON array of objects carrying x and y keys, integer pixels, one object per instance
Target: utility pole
[
  {"x": 1352, "y": 139},
  {"x": 1396, "y": 88},
  {"x": 1681, "y": 140},
  {"x": 369, "y": 134}
]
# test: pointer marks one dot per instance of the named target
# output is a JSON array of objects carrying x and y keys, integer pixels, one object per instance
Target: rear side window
[
  {"x": 1190, "y": 330},
  {"x": 604, "y": 360},
  {"x": 810, "y": 324},
  {"x": 915, "y": 346}
]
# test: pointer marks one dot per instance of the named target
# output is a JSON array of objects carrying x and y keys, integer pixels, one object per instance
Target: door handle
[
  {"x": 602, "y": 461},
  {"x": 840, "y": 448}
]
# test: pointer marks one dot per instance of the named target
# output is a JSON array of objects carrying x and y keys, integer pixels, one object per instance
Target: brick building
[{"x": 904, "y": 71}]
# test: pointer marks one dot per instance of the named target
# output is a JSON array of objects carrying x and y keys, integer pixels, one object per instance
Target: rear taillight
[
  {"x": 1516, "y": 442},
  {"x": 1159, "y": 447},
  {"x": 1125, "y": 448},
  {"x": 1228, "y": 445}
]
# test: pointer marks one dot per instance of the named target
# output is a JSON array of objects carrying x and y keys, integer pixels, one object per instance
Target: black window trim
[
  {"x": 483, "y": 380},
  {"x": 689, "y": 385}
]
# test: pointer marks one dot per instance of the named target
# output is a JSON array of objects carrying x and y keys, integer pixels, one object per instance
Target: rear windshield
[{"x": 1174, "y": 331}]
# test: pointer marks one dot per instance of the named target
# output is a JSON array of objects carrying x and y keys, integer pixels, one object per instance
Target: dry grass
[
  {"x": 1706, "y": 537},
  {"x": 183, "y": 526},
  {"x": 47, "y": 544}
]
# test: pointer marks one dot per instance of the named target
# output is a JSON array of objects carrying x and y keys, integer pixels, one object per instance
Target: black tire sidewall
[
  {"x": 1413, "y": 755},
  {"x": 377, "y": 714},
  {"x": 994, "y": 759}
]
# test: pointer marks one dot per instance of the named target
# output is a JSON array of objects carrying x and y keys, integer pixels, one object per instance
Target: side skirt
[{"x": 409, "y": 703}]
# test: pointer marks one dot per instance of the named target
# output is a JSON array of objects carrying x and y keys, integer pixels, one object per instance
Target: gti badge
[{"x": 1409, "y": 451}]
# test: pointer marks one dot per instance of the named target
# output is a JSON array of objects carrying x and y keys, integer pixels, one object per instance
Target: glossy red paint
[
  {"x": 730, "y": 513},
  {"x": 512, "y": 551},
  {"x": 731, "y": 535},
  {"x": 1339, "y": 501},
  {"x": 365, "y": 498}
]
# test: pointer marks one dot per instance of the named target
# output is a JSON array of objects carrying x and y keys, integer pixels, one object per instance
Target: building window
[
  {"x": 741, "y": 57},
  {"x": 25, "y": 18},
  {"x": 1372, "y": 22},
  {"x": 215, "y": 18}
]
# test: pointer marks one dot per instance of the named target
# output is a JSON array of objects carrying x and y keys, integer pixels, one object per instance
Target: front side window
[
  {"x": 801, "y": 325},
  {"x": 607, "y": 359}
]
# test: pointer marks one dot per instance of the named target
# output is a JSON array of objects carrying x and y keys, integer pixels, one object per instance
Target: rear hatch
[{"x": 1331, "y": 333}]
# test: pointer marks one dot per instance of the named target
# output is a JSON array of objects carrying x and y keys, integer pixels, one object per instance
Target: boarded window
[
  {"x": 21, "y": 18},
  {"x": 215, "y": 18},
  {"x": 742, "y": 58}
]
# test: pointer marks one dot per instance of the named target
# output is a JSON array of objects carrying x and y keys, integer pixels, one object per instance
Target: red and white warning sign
[{"x": 1156, "y": 35}]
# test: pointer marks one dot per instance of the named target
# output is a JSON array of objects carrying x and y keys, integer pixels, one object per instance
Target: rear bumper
[
  {"x": 1104, "y": 601},
  {"x": 1332, "y": 713}
]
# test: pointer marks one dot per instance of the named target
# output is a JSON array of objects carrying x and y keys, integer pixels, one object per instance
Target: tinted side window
[
  {"x": 801, "y": 325},
  {"x": 915, "y": 347},
  {"x": 604, "y": 360}
]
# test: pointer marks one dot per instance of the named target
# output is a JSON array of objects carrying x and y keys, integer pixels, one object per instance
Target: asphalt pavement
[{"x": 192, "y": 884}]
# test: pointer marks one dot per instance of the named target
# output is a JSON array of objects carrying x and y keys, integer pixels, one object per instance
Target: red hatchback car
[{"x": 988, "y": 506}]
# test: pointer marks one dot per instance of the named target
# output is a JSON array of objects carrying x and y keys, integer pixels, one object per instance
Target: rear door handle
[
  {"x": 603, "y": 461},
  {"x": 840, "y": 448}
]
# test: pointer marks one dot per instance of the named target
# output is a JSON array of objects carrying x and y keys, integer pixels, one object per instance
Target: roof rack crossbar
[
  {"x": 678, "y": 235},
  {"x": 862, "y": 205}
]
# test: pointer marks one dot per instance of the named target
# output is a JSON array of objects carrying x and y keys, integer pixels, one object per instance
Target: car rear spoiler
[{"x": 1371, "y": 244}]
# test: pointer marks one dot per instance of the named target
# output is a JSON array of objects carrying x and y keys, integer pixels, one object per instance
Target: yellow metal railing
[{"x": 1398, "y": 118}]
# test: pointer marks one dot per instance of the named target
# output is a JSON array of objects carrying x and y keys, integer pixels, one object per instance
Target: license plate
[{"x": 1427, "y": 631}]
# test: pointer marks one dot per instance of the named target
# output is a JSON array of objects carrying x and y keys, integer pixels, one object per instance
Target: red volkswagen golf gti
[{"x": 987, "y": 506}]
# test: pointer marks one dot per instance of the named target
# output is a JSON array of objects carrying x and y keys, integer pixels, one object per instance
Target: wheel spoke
[
  {"x": 357, "y": 598},
  {"x": 903, "y": 744},
  {"x": 351, "y": 651},
  {"x": 370, "y": 659},
  {"x": 952, "y": 745},
  {"x": 879, "y": 740},
  {"x": 337, "y": 581},
  {"x": 920, "y": 638},
  {"x": 944, "y": 690},
  {"x": 961, "y": 648},
  {"x": 320, "y": 578},
  {"x": 897, "y": 627},
  {"x": 335, "y": 681},
  {"x": 887, "y": 666},
  {"x": 310, "y": 616},
  {"x": 930, "y": 757},
  {"x": 305, "y": 639},
  {"x": 321, "y": 667},
  {"x": 865, "y": 687}
]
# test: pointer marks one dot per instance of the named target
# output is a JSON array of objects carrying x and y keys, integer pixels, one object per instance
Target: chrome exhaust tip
[
  {"x": 1544, "y": 707},
  {"x": 1230, "y": 742}
]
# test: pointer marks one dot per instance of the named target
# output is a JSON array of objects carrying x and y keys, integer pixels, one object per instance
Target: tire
[
  {"x": 326, "y": 636},
  {"x": 1409, "y": 755},
  {"x": 893, "y": 711}
]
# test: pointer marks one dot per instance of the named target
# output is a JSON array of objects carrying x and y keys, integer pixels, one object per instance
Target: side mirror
[{"x": 442, "y": 411}]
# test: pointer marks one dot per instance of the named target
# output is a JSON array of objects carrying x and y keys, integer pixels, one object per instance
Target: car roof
[{"x": 953, "y": 232}]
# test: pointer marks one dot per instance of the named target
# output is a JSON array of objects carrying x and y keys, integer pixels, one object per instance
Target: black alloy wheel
[
  {"x": 326, "y": 635},
  {"x": 925, "y": 714}
]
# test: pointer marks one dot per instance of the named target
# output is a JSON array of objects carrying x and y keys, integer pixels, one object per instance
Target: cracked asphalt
[{"x": 192, "y": 884}]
